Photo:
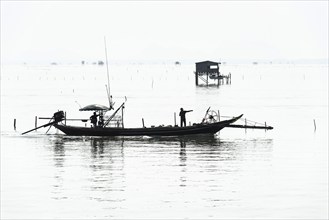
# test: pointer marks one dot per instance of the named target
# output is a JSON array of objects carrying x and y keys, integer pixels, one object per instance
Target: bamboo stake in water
[
  {"x": 245, "y": 123},
  {"x": 36, "y": 122},
  {"x": 175, "y": 119},
  {"x": 314, "y": 124}
]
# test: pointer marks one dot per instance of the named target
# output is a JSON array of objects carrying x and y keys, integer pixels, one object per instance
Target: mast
[{"x": 108, "y": 79}]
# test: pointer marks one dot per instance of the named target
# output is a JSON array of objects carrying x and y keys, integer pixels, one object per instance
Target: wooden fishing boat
[{"x": 195, "y": 129}]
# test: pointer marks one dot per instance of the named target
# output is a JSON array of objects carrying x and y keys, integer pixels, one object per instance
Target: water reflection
[
  {"x": 59, "y": 164},
  {"x": 107, "y": 177},
  {"x": 198, "y": 140},
  {"x": 97, "y": 147},
  {"x": 182, "y": 153},
  {"x": 113, "y": 170},
  {"x": 59, "y": 152},
  {"x": 182, "y": 159}
]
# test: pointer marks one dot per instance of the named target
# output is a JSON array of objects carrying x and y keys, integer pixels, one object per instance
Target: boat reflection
[
  {"x": 59, "y": 164},
  {"x": 97, "y": 147},
  {"x": 108, "y": 167},
  {"x": 182, "y": 164},
  {"x": 59, "y": 152}
]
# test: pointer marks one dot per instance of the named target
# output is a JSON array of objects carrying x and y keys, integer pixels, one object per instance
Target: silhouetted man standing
[{"x": 182, "y": 116}]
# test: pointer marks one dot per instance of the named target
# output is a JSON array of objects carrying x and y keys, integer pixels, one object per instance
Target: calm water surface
[{"x": 281, "y": 173}]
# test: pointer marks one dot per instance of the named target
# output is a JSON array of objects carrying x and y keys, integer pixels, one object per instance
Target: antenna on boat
[
  {"x": 108, "y": 78},
  {"x": 78, "y": 104}
]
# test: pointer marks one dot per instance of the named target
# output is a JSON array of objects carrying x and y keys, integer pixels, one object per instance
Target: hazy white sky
[{"x": 65, "y": 31}]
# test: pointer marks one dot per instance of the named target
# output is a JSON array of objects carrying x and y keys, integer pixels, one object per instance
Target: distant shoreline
[{"x": 169, "y": 62}]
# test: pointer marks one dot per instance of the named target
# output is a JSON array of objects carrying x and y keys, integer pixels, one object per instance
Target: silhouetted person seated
[
  {"x": 93, "y": 119},
  {"x": 101, "y": 121},
  {"x": 182, "y": 116}
]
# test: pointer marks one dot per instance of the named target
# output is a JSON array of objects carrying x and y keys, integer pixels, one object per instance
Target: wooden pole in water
[
  {"x": 175, "y": 119},
  {"x": 36, "y": 121},
  {"x": 15, "y": 124},
  {"x": 314, "y": 124},
  {"x": 207, "y": 78},
  {"x": 245, "y": 123}
]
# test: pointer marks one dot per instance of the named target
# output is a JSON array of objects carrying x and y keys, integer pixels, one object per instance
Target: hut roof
[{"x": 208, "y": 62}]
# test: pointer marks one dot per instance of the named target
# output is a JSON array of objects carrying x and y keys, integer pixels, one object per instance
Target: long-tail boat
[
  {"x": 195, "y": 129},
  {"x": 208, "y": 126}
]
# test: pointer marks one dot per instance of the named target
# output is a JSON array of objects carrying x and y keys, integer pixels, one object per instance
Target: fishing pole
[{"x": 108, "y": 77}]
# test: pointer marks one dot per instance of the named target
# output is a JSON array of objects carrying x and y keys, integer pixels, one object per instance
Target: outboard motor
[{"x": 59, "y": 116}]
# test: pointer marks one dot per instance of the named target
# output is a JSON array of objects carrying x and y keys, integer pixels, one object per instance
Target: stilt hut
[{"x": 206, "y": 70}]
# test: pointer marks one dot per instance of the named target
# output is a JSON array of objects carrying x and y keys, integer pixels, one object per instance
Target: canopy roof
[{"x": 94, "y": 107}]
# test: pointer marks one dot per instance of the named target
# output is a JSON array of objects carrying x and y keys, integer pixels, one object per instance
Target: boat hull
[{"x": 153, "y": 131}]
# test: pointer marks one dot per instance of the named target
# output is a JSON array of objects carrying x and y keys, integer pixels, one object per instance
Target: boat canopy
[{"x": 94, "y": 107}]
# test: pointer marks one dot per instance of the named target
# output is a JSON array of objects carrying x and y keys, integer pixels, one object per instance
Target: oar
[{"x": 42, "y": 126}]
